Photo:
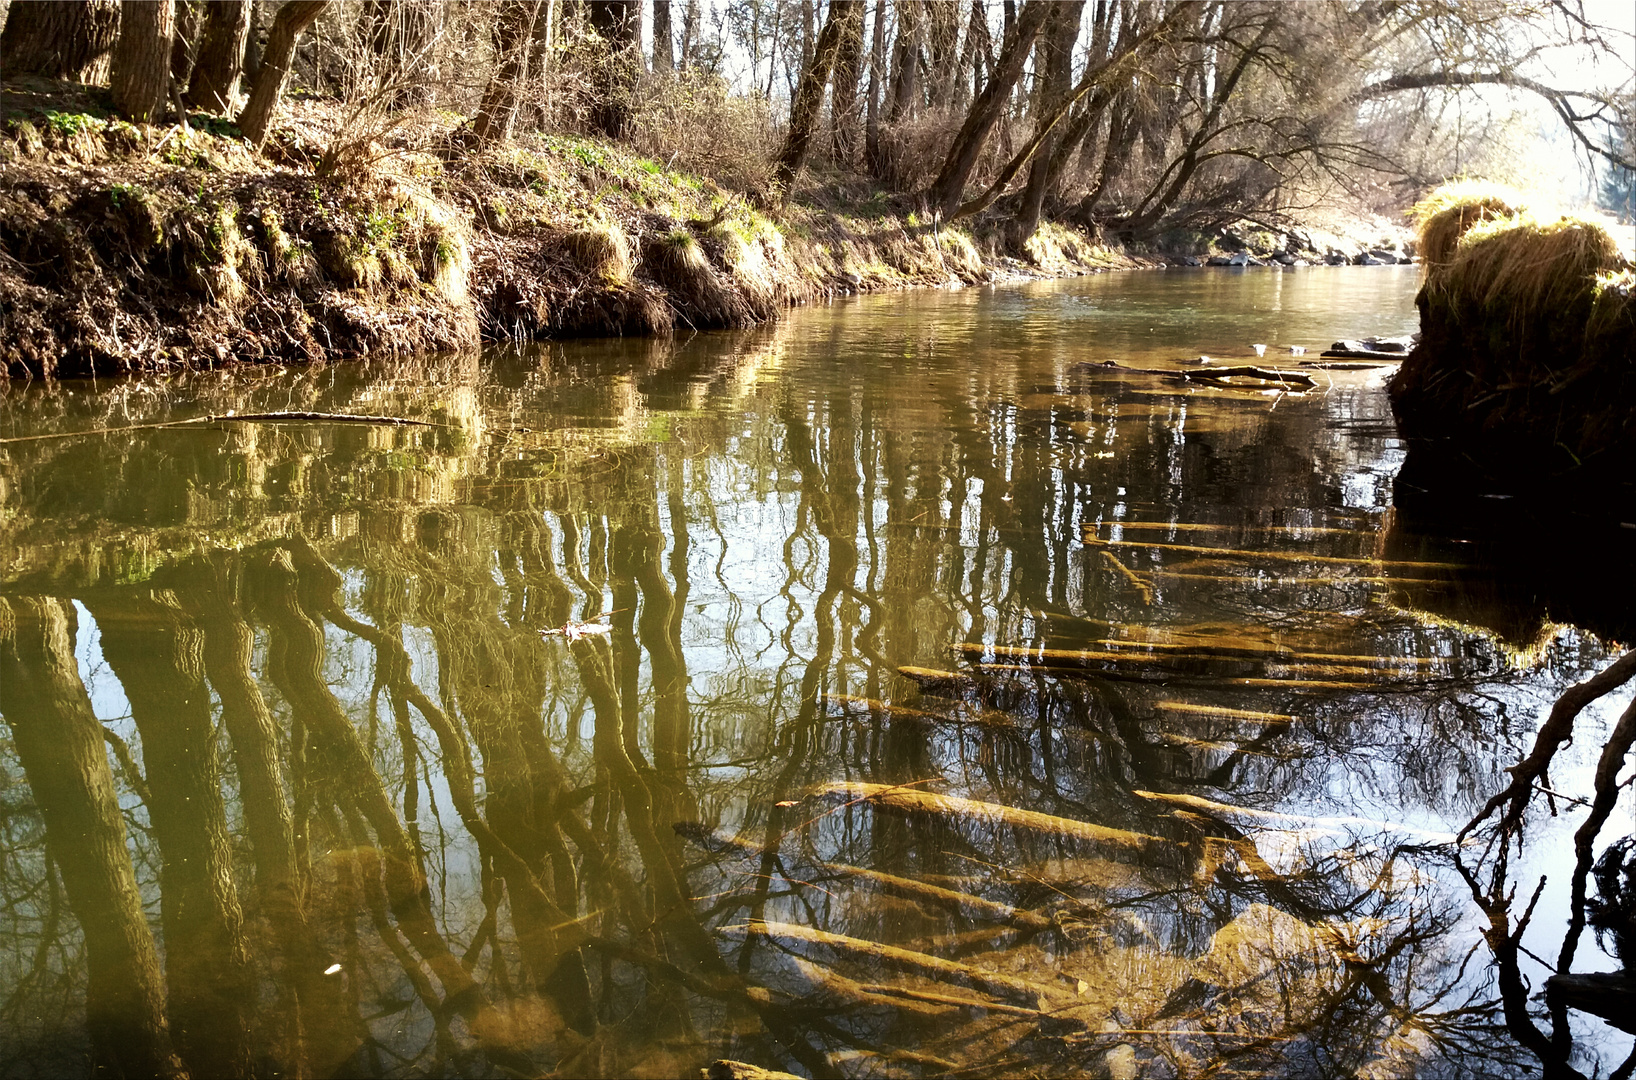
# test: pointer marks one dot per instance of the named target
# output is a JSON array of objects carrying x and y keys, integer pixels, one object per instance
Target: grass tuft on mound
[
  {"x": 1447, "y": 213},
  {"x": 1522, "y": 268}
]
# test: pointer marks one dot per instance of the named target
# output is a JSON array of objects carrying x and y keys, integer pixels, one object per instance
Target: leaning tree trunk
[
  {"x": 614, "y": 77},
  {"x": 220, "y": 58},
  {"x": 810, "y": 95},
  {"x": 257, "y": 116},
  {"x": 139, "y": 73},
  {"x": 944, "y": 193},
  {"x": 60, "y": 39}
]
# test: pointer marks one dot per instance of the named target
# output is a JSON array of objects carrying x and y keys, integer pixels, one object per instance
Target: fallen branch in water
[
  {"x": 991, "y": 981},
  {"x": 1216, "y": 376},
  {"x": 1131, "y": 576},
  {"x": 947, "y": 899},
  {"x": 266, "y": 417},
  {"x": 953, "y": 806}
]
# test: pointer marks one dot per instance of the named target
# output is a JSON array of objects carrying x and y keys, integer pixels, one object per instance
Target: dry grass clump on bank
[
  {"x": 602, "y": 250},
  {"x": 1523, "y": 269},
  {"x": 1445, "y": 215},
  {"x": 1613, "y": 310},
  {"x": 1527, "y": 337},
  {"x": 961, "y": 255},
  {"x": 676, "y": 260}
]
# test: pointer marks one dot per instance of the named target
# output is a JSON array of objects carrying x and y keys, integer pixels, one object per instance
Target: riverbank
[{"x": 130, "y": 249}]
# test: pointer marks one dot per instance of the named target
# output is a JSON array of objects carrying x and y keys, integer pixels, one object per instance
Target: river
[{"x": 894, "y": 690}]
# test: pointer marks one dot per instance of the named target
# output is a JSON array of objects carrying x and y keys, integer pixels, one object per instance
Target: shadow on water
[{"x": 877, "y": 693}]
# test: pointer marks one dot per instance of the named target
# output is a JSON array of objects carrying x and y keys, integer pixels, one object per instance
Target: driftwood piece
[
  {"x": 1130, "y": 576},
  {"x": 1213, "y": 376},
  {"x": 1250, "y": 715},
  {"x": 1111, "y": 649},
  {"x": 940, "y": 683},
  {"x": 838, "y": 985},
  {"x": 1089, "y": 536},
  {"x": 1340, "y": 365},
  {"x": 1361, "y": 354},
  {"x": 1210, "y": 807},
  {"x": 1204, "y": 526},
  {"x": 1169, "y": 678}
]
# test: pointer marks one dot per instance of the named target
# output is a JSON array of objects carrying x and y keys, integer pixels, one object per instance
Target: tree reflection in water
[{"x": 1182, "y": 808}]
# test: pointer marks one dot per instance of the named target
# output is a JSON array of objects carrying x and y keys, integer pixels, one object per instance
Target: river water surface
[{"x": 891, "y": 691}]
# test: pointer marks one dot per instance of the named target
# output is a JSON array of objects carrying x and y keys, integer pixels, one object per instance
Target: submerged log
[
  {"x": 728, "y": 1069},
  {"x": 993, "y": 982},
  {"x": 957, "y": 902},
  {"x": 910, "y": 800},
  {"x": 1089, "y": 536},
  {"x": 1111, "y": 649}
]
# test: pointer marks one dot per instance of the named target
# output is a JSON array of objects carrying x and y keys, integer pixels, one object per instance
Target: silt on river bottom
[{"x": 566, "y": 730}]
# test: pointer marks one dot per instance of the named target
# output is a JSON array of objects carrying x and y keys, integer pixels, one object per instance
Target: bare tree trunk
[
  {"x": 877, "y": 59},
  {"x": 216, "y": 71},
  {"x": 139, "y": 73},
  {"x": 810, "y": 96},
  {"x": 1057, "y": 48},
  {"x": 942, "y": 47},
  {"x": 513, "y": 35},
  {"x": 662, "y": 58},
  {"x": 257, "y": 116},
  {"x": 615, "y": 74},
  {"x": 905, "y": 61},
  {"x": 843, "y": 91},
  {"x": 59, "y": 744},
  {"x": 253, "y": 42},
  {"x": 60, "y": 39},
  {"x": 690, "y": 30},
  {"x": 972, "y": 52},
  {"x": 945, "y": 192},
  {"x": 184, "y": 49},
  {"x": 808, "y": 19}
]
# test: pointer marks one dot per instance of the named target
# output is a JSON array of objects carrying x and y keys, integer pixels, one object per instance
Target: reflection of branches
[{"x": 1557, "y": 729}]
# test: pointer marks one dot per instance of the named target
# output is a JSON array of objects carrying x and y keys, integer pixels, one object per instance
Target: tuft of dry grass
[
  {"x": 1447, "y": 213},
  {"x": 602, "y": 250},
  {"x": 1614, "y": 308},
  {"x": 960, "y": 255},
  {"x": 1527, "y": 268},
  {"x": 677, "y": 262}
]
